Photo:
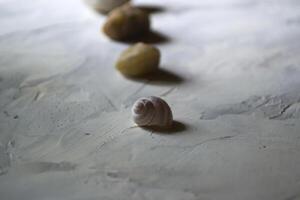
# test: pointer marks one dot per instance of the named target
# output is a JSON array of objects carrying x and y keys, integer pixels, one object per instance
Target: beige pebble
[
  {"x": 138, "y": 60},
  {"x": 105, "y": 6},
  {"x": 126, "y": 22}
]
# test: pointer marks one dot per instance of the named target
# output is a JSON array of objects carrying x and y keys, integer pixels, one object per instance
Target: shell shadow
[
  {"x": 152, "y": 37},
  {"x": 177, "y": 127},
  {"x": 151, "y": 9},
  {"x": 161, "y": 77}
]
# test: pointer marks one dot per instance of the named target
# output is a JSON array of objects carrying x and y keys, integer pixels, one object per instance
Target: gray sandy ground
[{"x": 230, "y": 72}]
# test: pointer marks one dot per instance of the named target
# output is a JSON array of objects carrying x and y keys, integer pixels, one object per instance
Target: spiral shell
[{"x": 152, "y": 111}]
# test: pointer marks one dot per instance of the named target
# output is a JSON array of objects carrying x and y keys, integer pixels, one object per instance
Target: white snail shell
[{"x": 152, "y": 111}]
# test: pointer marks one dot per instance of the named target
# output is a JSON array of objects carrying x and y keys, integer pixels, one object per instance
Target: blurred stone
[
  {"x": 126, "y": 22},
  {"x": 138, "y": 60},
  {"x": 105, "y": 6}
]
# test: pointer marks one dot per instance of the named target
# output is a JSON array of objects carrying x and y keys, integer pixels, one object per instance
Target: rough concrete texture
[{"x": 230, "y": 72}]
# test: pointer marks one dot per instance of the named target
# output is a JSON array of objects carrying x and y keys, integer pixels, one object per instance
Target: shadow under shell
[{"x": 176, "y": 127}]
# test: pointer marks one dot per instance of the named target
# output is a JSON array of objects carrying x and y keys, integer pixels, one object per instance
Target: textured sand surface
[{"x": 230, "y": 72}]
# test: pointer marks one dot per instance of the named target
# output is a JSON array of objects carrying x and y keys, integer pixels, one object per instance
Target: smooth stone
[
  {"x": 138, "y": 60},
  {"x": 126, "y": 22},
  {"x": 105, "y": 6}
]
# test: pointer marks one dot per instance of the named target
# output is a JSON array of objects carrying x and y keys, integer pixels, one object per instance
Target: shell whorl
[{"x": 152, "y": 111}]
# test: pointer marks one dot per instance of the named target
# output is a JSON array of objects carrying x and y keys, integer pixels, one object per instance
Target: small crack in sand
[{"x": 197, "y": 144}]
